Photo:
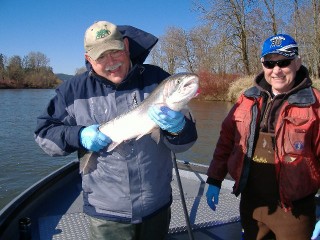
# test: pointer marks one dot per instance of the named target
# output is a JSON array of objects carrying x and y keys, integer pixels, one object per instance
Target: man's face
[
  {"x": 281, "y": 78},
  {"x": 113, "y": 65}
]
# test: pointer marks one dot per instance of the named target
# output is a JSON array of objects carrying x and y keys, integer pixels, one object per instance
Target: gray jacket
[{"x": 133, "y": 181}]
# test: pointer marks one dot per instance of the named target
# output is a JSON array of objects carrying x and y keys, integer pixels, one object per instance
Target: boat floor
[{"x": 69, "y": 222}]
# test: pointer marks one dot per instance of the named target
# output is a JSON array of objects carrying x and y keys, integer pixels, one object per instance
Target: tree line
[
  {"x": 225, "y": 46},
  {"x": 31, "y": 71},
  {"x": 231, "y": 33}
]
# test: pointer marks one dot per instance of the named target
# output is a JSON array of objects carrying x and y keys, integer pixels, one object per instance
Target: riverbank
[{"x": 213, "y": 87}]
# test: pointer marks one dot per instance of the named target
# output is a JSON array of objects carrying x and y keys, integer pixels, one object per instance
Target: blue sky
[{"x": 56, "y": 27}]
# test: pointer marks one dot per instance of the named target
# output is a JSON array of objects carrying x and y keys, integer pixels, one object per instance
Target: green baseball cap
[{"x": 100, "y": 37}]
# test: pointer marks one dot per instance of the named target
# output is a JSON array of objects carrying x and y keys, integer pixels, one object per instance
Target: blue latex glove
[
  {"x": 167, "y": 119},
  {"x": 316, "y": 231},
  {"x": 213, "y": 194},
  {"x": 92, "y": 139}
]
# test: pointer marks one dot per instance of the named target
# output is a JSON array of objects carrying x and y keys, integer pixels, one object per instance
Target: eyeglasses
[
  {"x": 280, "y": 63},
  {"x": 113, "y": 54}
]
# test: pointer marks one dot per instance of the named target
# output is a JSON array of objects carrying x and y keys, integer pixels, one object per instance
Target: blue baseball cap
[{"x": 282, "y": 44}]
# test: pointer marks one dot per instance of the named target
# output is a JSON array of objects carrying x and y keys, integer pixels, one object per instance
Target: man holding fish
[{"x": 124, "y": 118}]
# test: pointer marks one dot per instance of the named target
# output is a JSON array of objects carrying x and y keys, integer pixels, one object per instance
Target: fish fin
[
  {"x": 155, "y": 135},
  {"x": 140, "y": 136},
  {"x": 88, "y": 162},
  {"x": 112, "y": 146}
]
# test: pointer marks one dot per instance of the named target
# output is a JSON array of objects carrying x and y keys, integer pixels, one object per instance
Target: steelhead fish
[{"x": 174, "y": 92}]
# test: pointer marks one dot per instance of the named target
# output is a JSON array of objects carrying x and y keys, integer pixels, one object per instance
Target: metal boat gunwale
[{"x": 16, "y": 206}]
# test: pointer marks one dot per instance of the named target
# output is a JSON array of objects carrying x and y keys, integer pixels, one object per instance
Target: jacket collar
[{"x": 301, "y": 94}]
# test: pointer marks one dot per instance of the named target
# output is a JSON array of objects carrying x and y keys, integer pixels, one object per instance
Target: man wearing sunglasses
[{"x": 269, "y": 144}]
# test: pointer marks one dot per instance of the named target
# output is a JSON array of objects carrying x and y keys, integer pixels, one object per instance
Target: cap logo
[
  {"x": 102, "y": 33},
  {"x": 280, "y": 44},
  {"x": 277, "y": 41}
]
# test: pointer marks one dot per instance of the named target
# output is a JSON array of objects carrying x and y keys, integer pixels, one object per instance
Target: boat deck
[
  {"x": 224, "y": 223},
  {"x": 72, "y": 223},
  {"x": 54, "y": 206}
]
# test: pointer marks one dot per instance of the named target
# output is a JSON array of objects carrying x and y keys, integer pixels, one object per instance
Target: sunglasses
[{"x": 280, "y": 63}]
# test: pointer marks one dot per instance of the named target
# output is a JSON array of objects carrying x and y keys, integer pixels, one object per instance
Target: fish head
[{"x": 180, "y": 89}]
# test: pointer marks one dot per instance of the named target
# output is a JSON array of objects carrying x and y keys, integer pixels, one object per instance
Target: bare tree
[
  {"x": 2, "y": 67},
  {"x": 316, "y": 38},
  {"x": 167, "y": 53},
  {"x": 185, "y": 49},
  {"x": 229, "y": 17},
  {"x": 230, "y": 37},
  {"x": 305, "y": 29},
  {"x": 36, "y": 61},
  {"x": 270, "y": 5},
  {"x": 15, "y": 69},
  {"x": 162, "y": 57},
  {"x": 202, "y": 42}
]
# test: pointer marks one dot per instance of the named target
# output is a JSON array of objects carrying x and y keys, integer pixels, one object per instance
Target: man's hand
[
  {"x": 92, "y": 139},
  {"x": 167, "y": 119},
  {"x": 213, "y": 196}
]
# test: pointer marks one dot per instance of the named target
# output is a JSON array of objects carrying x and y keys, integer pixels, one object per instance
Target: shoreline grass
[{"x": 229, "y": 87}]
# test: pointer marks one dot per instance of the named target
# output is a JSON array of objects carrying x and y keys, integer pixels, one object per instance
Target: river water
[{"x": 23, "y": 163}]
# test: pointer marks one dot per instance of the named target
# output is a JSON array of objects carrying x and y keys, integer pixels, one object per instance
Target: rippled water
[{"x": 23, "y": 163}]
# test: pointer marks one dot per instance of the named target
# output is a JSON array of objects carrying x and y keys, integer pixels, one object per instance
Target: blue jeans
[{"x": 155, "y": 228}]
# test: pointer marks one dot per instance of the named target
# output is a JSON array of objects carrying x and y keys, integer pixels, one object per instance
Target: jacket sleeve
[
  {"x": 218, "y": 167},
  {"x": 317, "y": 126},
  {"x": 56, "y": 131}
]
